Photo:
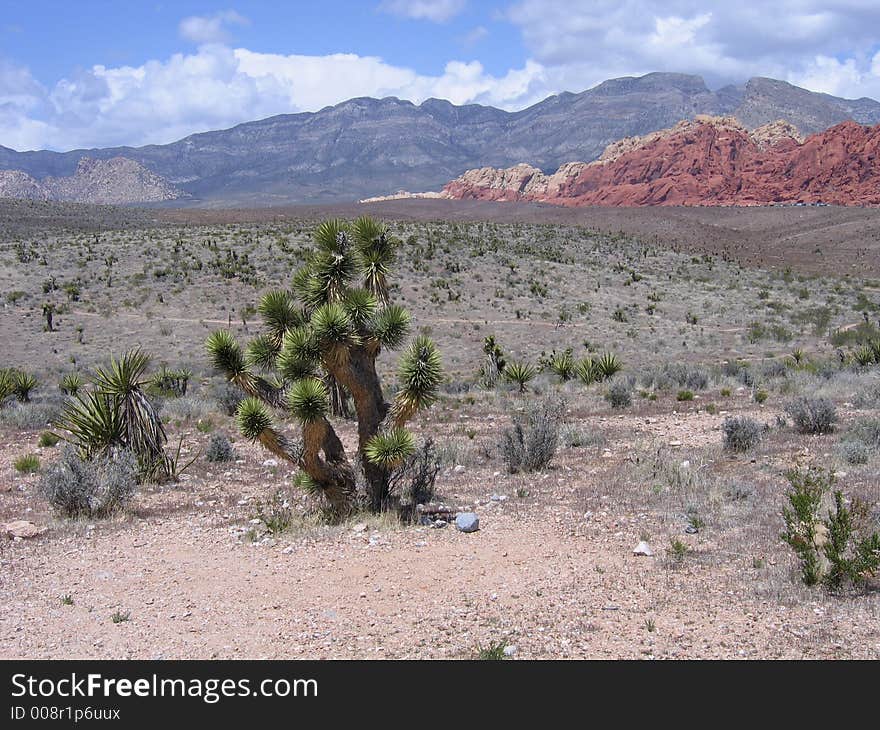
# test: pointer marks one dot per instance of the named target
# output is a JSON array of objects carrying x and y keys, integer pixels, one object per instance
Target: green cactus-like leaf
[
  {"x": 225, "y": 353},
  {"x": 253, "y": 418},
  {"x": 419, "y": 374},
  {"x": 279, "y": 313},
  {"x": 332, "y": 326},
  {"x": 391, "y": 326},
  {"x": 361, "y": 306},
  {"x": 308, "y": 400},
  {"x": 306, "y": 483},
  {"x": 390, "y": 448},
  {"x": 262, "y": 352}
]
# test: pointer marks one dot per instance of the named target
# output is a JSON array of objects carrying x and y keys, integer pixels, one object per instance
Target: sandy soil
[{"x": 543, "y": 574}]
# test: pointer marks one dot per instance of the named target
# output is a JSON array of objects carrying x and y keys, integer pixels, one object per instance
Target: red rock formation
[{"x": 708, "y": 161}]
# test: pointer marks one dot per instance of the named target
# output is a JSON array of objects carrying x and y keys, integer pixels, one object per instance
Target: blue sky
[{"x": 106, "y": 73}]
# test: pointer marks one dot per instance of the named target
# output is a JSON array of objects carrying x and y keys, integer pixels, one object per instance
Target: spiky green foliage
[
  {"x": 71, "y": 383},
  {"x": 253, "y": 418},
  {"x": 117, "y": 414},
  {"x": 520, "y": 373},
  {"x": 22, "y": 386},
  {"x": 607, "y": 365},
  {"x": 7, "y": 381},
  {"x": 391, "y": 327},
  {"x": 419, "y": 375},
  {"x": 562, "y": 365},
  {"x": 308, "y": 400},
  {"x": 389, "y": 448},
  {"x": 375, "y": 252},
  {"x": 225, "y": 353},
  {"x": 321, "y": 341},
  {"x": 586, "y": 371}
]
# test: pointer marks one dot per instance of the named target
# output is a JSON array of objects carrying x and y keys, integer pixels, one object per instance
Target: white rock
[
  {"x": 22, "y": 529},
  {"x": 643, "y": 549}
]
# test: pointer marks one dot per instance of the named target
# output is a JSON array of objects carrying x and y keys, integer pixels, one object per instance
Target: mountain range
[{"x": 370, "y": 147}]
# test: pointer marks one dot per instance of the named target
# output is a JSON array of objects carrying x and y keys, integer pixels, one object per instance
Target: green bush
[
  {"x": 27, "y": 464},
  {"x": 837, "y": 546}
]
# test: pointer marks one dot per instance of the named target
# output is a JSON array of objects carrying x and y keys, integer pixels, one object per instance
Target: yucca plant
[
  {"x": 320, "y": 342},
  {"x": 607, "y": 365},
  {"x": 71, "y": 383},
  {"x": 7, "y": 382},
  {"x": 864, "y": 356},
  {"x": 22, "y": 385},
  {"x": 586, "y": 371},
  {"x": 562, "y": 364},
  {"x": 116, "y": 414},
  {"x": 520, "y": 373}
]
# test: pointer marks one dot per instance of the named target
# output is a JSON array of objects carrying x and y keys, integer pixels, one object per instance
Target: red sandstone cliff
[{"x": 707, "y": 161}]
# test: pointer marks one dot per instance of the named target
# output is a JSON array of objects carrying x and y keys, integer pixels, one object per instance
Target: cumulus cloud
[
  {"x": 826, "y": 42},
  {"x": 210, "y": 29},
  {"x": 437, "y": 11}
]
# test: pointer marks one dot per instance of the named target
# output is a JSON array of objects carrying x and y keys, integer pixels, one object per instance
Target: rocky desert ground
[{"x": 713, "y": 313}]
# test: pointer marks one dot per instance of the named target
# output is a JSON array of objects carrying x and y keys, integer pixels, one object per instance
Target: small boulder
[
  {"x": 643, "y": 549},
  {"x": 467, "y": 522}
]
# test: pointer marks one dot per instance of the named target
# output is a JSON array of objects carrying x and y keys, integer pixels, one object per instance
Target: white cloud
[
  {"x": 210, "y": 29},
  {"x": 829, "y": 43},
  {"x": 437, "y": 11},
  {"x": 217, "y": 87}
]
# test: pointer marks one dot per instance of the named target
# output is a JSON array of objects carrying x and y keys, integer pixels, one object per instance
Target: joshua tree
[
  {"x": 333, "y": 334},
  {"x": 48, "y": 315}
]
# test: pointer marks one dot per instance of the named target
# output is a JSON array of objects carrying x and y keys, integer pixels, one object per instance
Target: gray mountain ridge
[{"x": 366, "y": 147}]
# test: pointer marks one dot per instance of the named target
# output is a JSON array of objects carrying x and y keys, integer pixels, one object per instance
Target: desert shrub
[
  {"x": 619, "y": 394},
  {"x": 741, "y": 433},
  {"x": 607, "y": 365},
  {"x": 868, "y": 397},
  {"x": 219, "y": 449},
  {"x": 71, "y": 383},
  {"x": 48, "y": 439},
  {"x": 812, "y": 415},
  {"x": 854, "y": 452},
  {"x": 274, "y": 513},
  {"x": 774, "y": 369},
  {"x": 228, "y": 396},
  {"x": 414, "y": 479},
  {"x": 169, "y": 383},
  {"x": 562, "y": 365},
  {"x": 77, "y": 487},
  {"x": 835, "y": 546},
  {"x": 866, "y": 430},
  {"x": 185, "y": 408},
  {"x": 28, "y": 416},
  {"x": 684, "y": 395},
  {"x": 27, "y": 464},
  {"x": 531, "y": 442},
  {"x": 669, "y": 375},
  {"x": 574, "y": 437}
]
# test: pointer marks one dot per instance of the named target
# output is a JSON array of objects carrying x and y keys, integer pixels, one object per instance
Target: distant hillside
[
  {"x": 368, "y": 147},
  {"x": 116, "y": 181}
]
